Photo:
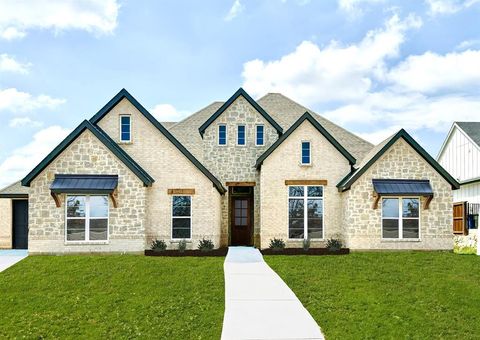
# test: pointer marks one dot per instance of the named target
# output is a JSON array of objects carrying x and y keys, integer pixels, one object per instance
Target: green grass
[
  {"x": 112, "y": 297},
  {"x": 434, "y": 295}
]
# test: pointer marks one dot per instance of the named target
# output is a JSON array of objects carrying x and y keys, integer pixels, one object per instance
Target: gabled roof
[
  {"x": 15, "y": 190},
  {"x": 381, "y": 148},
  {"x": 472, "y": 130},
  {"x": 240, "y": 92},
  {"x": 105, "y": 139},
  {"x": 124, "y": 94},
  {"x": 316, "y": 124}
]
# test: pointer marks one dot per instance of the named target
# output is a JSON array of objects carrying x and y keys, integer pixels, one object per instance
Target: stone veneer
[
  {"x": 236, "y": 163},
  {"x": 87, "y": 155},
  {"x": 170, "y": 170},
  {"x": 5, "y": 223},
  {"x": 327, "y": 163},
  {"x": 362, "y": 223}
]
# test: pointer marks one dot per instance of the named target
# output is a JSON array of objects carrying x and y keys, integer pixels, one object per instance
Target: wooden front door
[
  {"x": 241, "y": 221},
  {"x": 459, "y": 220}
]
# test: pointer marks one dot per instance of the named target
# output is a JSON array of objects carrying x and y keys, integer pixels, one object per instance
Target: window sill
[
  {"x": 302, "y": 239},
  {"x": 305, "y": 165},
  {"x": 125, "y": 143},
  {"x": 177, "y": 240},
  {"x": 85, "y": 243},
  {"x": 395, "y": 240}
]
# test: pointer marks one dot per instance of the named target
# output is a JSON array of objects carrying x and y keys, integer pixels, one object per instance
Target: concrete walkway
[
  {"x": 258, "y": 304},
  {"x": 9, "y": 257}
]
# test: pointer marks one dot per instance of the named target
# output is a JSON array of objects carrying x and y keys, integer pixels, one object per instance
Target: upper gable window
[
  {"x": 241, "y": 135},
  {"x": 125, "y": 129},
  {"x": 306, "y": 153},
  {"x": 259, "y": 139},
  {"x": 222, "y": 135}
]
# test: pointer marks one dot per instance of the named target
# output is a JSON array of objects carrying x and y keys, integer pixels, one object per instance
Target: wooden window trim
[
  {"x": 306, "y": 182},
  {"x": 181, "y": 191},
  {"x": 240, "y": 184}
]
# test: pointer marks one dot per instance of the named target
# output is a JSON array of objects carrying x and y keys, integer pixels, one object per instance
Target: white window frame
[
  {"x": 130, "y": 132},
  {"x": 400, "y": 219},
  {"x": 245, "y": 136},
  {"x": 218, "y": 135},
  {"x": 309, "y": 152},
  {"x": 256, "y": 135},
  {"x": 305, "y": 198},
  {"x": 172, "y": 217},
  {"x": 87, "y": 219}
]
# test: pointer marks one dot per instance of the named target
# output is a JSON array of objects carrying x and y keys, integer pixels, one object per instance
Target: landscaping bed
[
  {"x": 194, "y": 253},
  {"x": 301, "y": 251}
]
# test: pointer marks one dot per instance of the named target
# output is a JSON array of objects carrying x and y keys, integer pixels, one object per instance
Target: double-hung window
[
  {"x": 125, "y": 129},
  {"x": 305, "y": 153},
  {"x": 222, "y": 135},
  {"x": 400, "y": 218},
  {"x": 241, "y": 135},
  {"x": 181, "y": 217},
  {"x": 259, "y": 139},
  {"x": 305, "y": 212},
  {"x": 86, "y": 218}
]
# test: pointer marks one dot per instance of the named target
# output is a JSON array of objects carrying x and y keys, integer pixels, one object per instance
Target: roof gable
[
  {"x": 347, "y": 182},
  {"x": 258, "y": 108},
  {"x": 472, "y": 130},
  {"x": 105, "y": 139},
  {"x": 125, "y": 94},
  {"x": 306, "y": 116}
]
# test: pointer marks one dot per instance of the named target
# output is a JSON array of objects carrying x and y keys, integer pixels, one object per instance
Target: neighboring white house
[{"x": 460, "y": 156}]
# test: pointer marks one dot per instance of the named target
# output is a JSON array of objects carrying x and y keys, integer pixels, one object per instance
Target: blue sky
[{"x": 371, "y": 66}]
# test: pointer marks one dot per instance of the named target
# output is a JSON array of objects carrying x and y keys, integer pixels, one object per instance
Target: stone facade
[
  {"x": 327, "y": 163},
  {"x": 236, "y": 163},
  {"x": 171, "y": 170},
  {"x": 87, "y": 155},
  {"x": 5, "y": 223},
  {"x": 362, "y": 224}
]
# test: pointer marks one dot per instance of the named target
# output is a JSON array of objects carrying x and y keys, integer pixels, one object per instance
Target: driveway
[
  {"x": 11, "y": 256},
  {"x": 258, "y": 304}
]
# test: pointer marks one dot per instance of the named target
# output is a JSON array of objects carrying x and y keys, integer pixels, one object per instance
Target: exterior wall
[
  {"x": 237, "y": 163},
  {"x": 170, "y": 170},
  {"x": 284, "y": 164},
  {"x": 5, "y": 223},
  {"x": 363, "y": 225},
  {"x": 87, "y": 155},
  {"x": 467, "y": 192},
  {"x": 461, "y": 157}
]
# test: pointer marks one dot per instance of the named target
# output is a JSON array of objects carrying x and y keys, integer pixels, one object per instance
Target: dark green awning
[{"x": 84, "y": 184}]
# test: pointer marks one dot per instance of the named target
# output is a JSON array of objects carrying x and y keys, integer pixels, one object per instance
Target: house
[
  {"x": 460, "y": 156},
  {"x": 240, "y": 172}
]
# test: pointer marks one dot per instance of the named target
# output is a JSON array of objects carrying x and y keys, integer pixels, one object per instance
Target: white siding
[
  {"x": 467, "y": 192},
  {"x": 461, "y": 157}
]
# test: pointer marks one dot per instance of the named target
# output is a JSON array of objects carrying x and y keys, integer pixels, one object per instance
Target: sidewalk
[
  {"x": 9, "y": 257},
  {"x": 258, "y": 304}
]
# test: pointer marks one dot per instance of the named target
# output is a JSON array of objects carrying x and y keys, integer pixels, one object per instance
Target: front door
[
  {"x": 20, "y": 224},
  {"x": 241, "y": 221}
]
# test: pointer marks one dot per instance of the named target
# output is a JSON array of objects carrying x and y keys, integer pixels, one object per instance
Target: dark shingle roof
[
  {"x": 15, "y": 190},
  {"x": 472, "y": 129}
]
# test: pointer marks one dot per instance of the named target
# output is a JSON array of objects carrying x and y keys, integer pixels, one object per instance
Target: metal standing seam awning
[
  {"x": 402, "y": 187},
  {"x": 84, "y": 184}
]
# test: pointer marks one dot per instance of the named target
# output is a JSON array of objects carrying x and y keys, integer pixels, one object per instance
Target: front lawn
[
  {"x": 387, "y": 295},
  {"x": 112, "y": 297}
]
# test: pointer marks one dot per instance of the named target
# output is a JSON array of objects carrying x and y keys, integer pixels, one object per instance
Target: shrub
[
  {"x": 158, "y": 245},
  {"x": 182, "y": 245},
  {"x": 306, "y": 244},
  {"x": 277, "y": 244},
  {"x": 334, "y": 244},
  {"x": 205, "y": 244}
]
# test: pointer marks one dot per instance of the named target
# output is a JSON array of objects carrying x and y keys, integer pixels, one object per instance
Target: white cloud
[
  {"x": 431, "y": 72},
  {"x": 466, "y": 44},
  {"x": 168, "y": 113},
  {"x": 24, "y": 122},
  {"x": 9, "y": 64},
  {"x": 235, "y": 10},
  {"x": 335, "y": 73},
  {"x": 17, "y": 17},
  {"x": 22, "y": 160},
  {"x": 439, "y": 7},
  {"x": 355, "y": 7},
  {"x": 14, "y": 100}
]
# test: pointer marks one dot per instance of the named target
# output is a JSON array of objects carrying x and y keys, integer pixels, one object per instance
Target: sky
[{"x": 371, "y": 66}]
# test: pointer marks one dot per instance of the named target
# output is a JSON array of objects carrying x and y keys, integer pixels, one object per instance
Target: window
[
  {"x": 125, "y": 129},
  {"x": 305, "y": 201},
  {"x": 259, "y": 135},
  {"x": 222, "y": 135},
  {"x": 241, "y": 135},
  {"x": 305, "y": 152},
  {"x": 400, "y": 218},
  {"x": 86, "y": 218},
  {"x": 181, "y": 217}
]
